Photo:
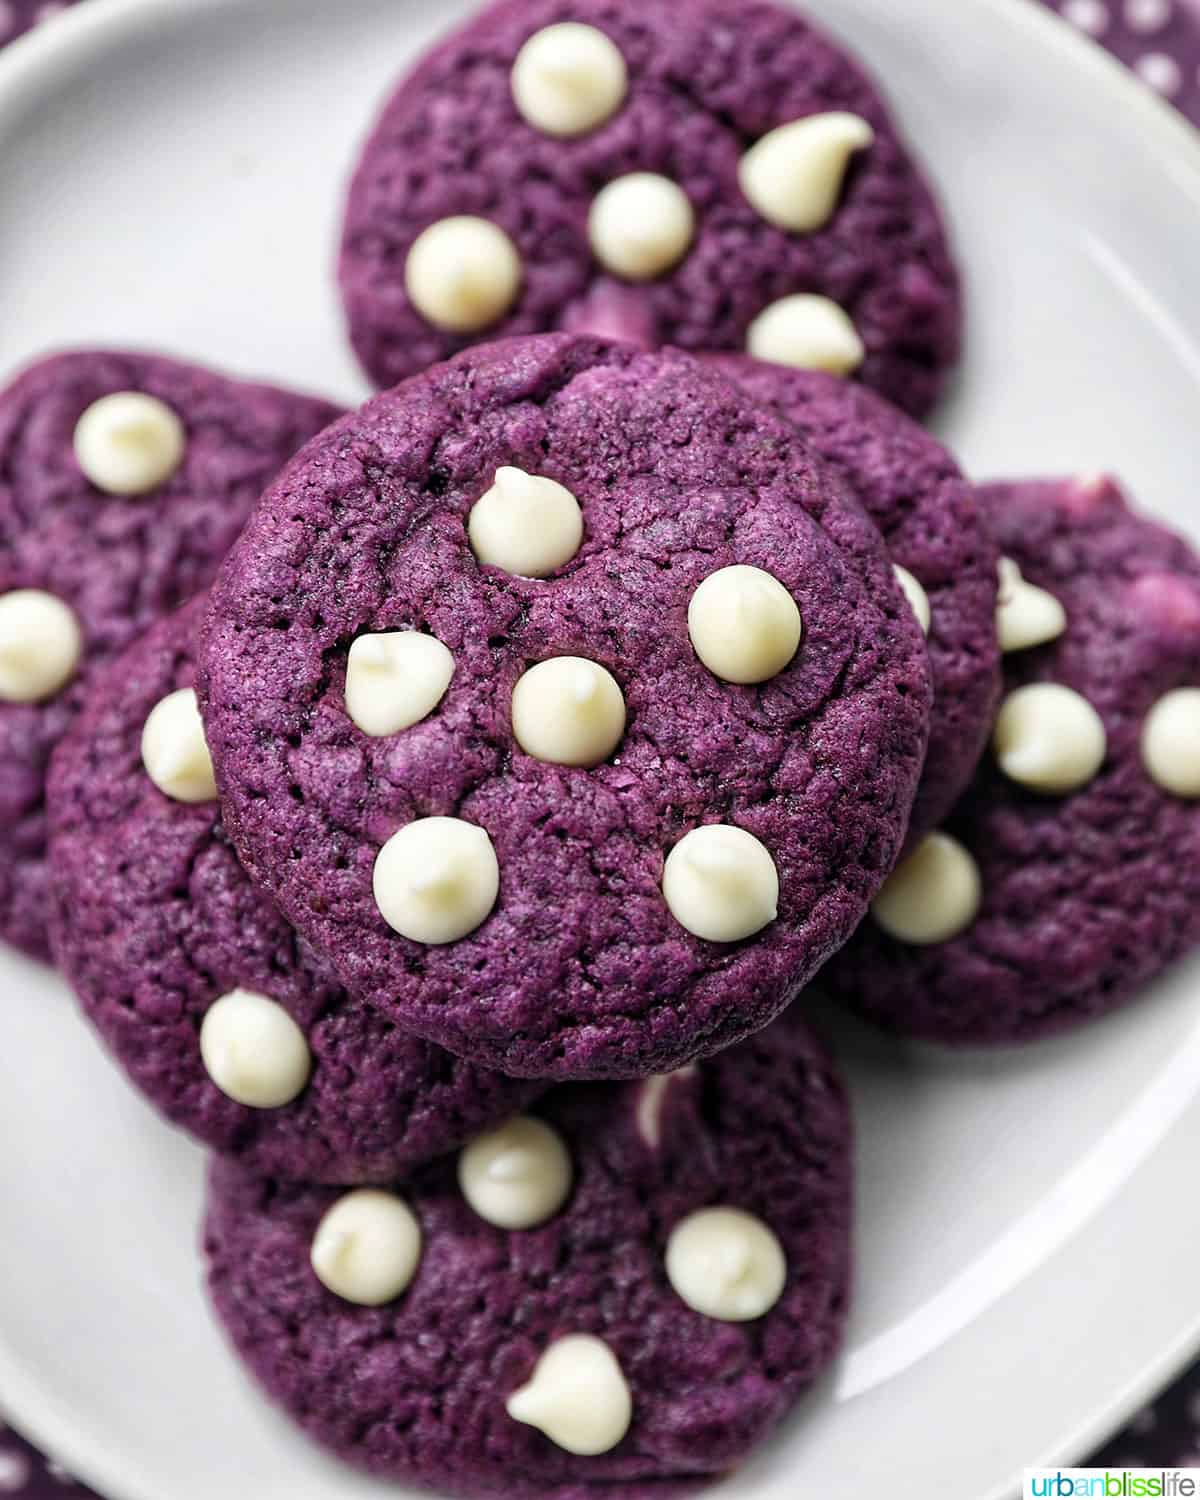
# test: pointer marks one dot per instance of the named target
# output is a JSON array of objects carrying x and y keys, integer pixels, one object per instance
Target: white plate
[{"x": 170, "y": 174}]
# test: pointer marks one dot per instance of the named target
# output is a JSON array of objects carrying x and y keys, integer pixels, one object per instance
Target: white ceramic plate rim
[{"x": 29, "y": 65}]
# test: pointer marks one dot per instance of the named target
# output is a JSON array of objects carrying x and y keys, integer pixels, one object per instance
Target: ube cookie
[
  {"x": 124, "y": 478},
  {"x": 915, "y": 493},
  {"x": 567, "y": 706},
  {"x": 1069, "y": 875},
  {"x": 215, "y": 1008},
  {"x": 631, "y": 1286},
  {"x": 713, "y": 174}
]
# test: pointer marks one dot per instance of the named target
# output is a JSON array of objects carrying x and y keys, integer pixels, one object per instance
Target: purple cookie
[
  {"x": 117, "y": 562},
  {"x": 913, "y": 490},
  {"x": 418, "y": 1389},
  {"x": 681, "y": 92},
  {"x": 154, "y": 921},
  {"x": 1088, "y": 851},
  {"x": 579, "y": 967}
]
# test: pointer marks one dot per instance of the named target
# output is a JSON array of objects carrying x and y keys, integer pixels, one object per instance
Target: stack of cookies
[{"x": 437, "y": 808}]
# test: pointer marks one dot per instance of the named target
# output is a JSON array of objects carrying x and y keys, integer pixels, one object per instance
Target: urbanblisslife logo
[{"x": 1120, "y": 1484}]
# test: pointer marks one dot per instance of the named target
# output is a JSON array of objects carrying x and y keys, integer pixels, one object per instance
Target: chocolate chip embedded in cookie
[
  {"x": 715, "y": 175},
  {"x": 663, "y": 776},
  {"x": 935, "y": 530},
  {"x": 124, "y": 478},
  {"x": 1068, "y": 877},
  {"x": 630, "y": 1286},
  {"x": 216, "y": 1009}
]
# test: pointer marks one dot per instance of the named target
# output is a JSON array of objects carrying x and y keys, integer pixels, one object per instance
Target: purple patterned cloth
[{"x": 1160, "y": 40}]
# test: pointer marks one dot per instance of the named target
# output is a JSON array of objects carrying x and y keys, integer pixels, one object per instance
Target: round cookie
[
  {"x": 601, "y": 167},
  {"x": 915, "y": 493},
  {"x": 91, "y": 567},
  {"x": 542, "y": 916},
  {"x": 215, "y": 1008},
  {"x": 443, "y": 1384},
  {"x": 1069, "y": 876}
]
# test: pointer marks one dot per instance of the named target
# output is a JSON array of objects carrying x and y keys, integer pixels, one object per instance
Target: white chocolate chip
[
  {"x": 745, "y": 626},
  {"x": 1025, "y": 614},
  {"x": 577, "y": 1396},
  {"x": 128, "y": 443},
  {"x": 395, "y": 679},
  {"x": 807, "y": 332},
  {"x": 933, "y": 896},
  {"x": 568, "y": 79},
  {"x": 641, "y": 225},
  {"x": 367, "y": 1247},
  {"x": 652, "y": 1096},
  {"x": 436, "y": 879},
  {"x": 174, "y": 750},
  {"x": 721, "y": 884},
  {"x": 726, "y": 1264},
  {"x": 463, "y": 274},
  {"x": 253, "y": 1051},
  {"x": 1171, "y": 743},
  {"x": 1049, "y": 738},
  {"x": 917, "y": 598},
  {"x": 793, "y": 176},
  {"x": 40, "y": 645},
  {"x": 518, "y": 1175},
  {"x": 568, "y": 711},
  {"x": 526, "y": 524}
]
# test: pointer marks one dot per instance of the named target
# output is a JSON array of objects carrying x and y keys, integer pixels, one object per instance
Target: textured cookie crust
[
  {"x": 153, "y": 919},
  {"x": 915, "y": 493},
  {"x": 707, "y": 79},
  {"x": 1089, "y": 896},
  {"x": 580, "y": 971},
  {"x": 416, "y": 1390},
  {"x": 119, "y": 563}
]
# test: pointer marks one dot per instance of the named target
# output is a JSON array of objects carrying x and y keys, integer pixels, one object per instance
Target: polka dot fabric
[
  {"x": 1161, "y": 40},
  {"x": 1158, "y": 39}
]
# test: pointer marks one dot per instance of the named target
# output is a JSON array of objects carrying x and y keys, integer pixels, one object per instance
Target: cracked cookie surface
[
  {"x": 706, "y": 80},
  {"x": 417, "y": 1389},
  {"x": 1086, "y": 893},
  {"x": 580, "y": 969},
  {"x": 118, "y": 562},
  {"x": 914, "y": 491},
  {"x": 155, "y": 921}
]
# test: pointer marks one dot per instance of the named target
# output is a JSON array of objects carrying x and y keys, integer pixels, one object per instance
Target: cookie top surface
[
  {"x": 639, "y": 227},
  {"x": 1086, "y": 847},
  {"x": 421, "y": 1388},
  {"x": 568, "y": 961},
  {"x": 914, "y": 491},
  {"x": 163, "y": 937},
  {"x": 110, "y": 562}
]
